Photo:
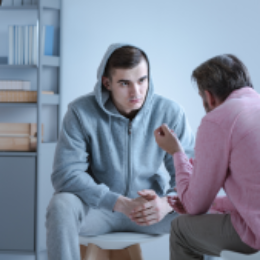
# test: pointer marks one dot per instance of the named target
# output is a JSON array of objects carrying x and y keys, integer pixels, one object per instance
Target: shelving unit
[{"x": 25, "y": 177}]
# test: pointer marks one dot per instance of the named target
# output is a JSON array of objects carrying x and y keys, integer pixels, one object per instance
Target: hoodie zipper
[{"x": 129, "y": 158}]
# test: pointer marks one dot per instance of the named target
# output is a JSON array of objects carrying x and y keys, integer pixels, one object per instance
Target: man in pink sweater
[{"x": 227, "y": 155}]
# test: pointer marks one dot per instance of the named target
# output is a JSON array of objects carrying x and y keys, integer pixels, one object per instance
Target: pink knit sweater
[{"x": 227, "y": 155}]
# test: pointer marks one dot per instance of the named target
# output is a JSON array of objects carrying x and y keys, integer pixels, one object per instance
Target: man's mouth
[{"x": 135, "y": 100}]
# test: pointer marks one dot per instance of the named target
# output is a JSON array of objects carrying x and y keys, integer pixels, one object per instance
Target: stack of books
[
  {"x": 18, "y": 96},
  {"x": 19, "y": 136},
  {"x": 18, "y": 2},
  {"x": 15, "y": 85},
  {"x": 18, "y": 92},
  {"x": 23, "y": 45}
]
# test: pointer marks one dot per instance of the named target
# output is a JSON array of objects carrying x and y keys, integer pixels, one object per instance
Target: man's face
[{"x": 129, "y": 88}]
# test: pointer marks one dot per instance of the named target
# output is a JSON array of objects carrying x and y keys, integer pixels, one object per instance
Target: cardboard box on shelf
[
  {"x": 20, "y": 96},
  {"x": 18, "y": 137}
]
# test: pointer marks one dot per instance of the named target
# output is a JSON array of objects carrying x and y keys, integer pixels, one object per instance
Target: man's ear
[
  {"x": 211, "y": 99},
  {"x": 106, "y": 82}
]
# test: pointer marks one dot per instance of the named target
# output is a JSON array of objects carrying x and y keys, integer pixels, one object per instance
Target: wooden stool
[{"x": 114, "y": 246}]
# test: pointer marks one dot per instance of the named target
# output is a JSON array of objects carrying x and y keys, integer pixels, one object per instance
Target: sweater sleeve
[
  {"x": 198, "y": 186},
  {"x": 222, "y": 205},
  {"x": 71, "y": 164},
  {"x": 183, "y": 130}
]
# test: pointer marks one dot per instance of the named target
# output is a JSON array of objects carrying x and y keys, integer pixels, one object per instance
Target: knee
[
  {"x": 175, "y": 224},
  {"x": 61, "y": 204},
  {"x": 177, "y": 227}
]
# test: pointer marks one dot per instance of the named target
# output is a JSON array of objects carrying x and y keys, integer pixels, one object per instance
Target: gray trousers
[
  {"x": 67, "y": 217},
  {"x": 193, "y": 236}
]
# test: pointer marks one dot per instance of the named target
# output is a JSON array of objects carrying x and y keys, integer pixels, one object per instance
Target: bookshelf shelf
[
  {"x": 22, "y": 8},
  {"x": 18, "y": 104},
  {"x": 2, "y": 153},
  {"x": 6, "y": 66},
  {"x": 51, "y": 61},
  {"x": 51, "y": 99}
]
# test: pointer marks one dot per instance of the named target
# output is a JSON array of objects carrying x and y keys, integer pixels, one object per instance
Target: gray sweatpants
[
  {"x": 193, "y": 236},
  {"x": 67, "y": 217}
]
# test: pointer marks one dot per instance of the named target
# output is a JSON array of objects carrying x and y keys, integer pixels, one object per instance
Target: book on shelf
[
  {"x": 23, "y": 45},
  {"x": 47, "y": 39},
  {"x": 15, "y": 85},
  {"x": 20, "y": 96}
]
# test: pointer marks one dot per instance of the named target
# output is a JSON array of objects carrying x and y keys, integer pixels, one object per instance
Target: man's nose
[{"x": 134, "y": 90}]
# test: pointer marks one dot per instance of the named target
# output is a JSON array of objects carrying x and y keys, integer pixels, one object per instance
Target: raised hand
[{"x": 167, "y": 139}]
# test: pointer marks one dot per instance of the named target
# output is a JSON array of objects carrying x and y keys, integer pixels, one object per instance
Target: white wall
[{"x": 177, "y": 36}]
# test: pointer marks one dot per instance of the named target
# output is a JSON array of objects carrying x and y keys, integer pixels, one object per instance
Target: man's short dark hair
[
  {"x": 126, "y": 57},
  {"x": 221, "y": 75}
]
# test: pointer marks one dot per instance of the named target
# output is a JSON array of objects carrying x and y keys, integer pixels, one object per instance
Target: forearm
[
  {"x": 80, "y": 183},
  {"x": 222, "y": 204},
  {"x": 122, "y": 204}
]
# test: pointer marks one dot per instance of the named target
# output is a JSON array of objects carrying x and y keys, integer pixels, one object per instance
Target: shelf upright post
[
  {"x": 61, "y": 70},
  {"x": 39, "y": 128}
]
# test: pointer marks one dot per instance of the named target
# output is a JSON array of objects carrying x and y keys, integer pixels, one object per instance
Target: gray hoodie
[{"x": 101, "y": 154}]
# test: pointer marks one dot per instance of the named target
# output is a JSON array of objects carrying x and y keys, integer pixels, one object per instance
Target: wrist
[
  {"x": 173, "y": 151},
  {"x": 121, "y": 204},
  {"x": 167, "y": 205}
]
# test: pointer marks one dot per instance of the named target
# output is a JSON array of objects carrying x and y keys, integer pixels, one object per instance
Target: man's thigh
[
  {"x": 208, "y": 234},
  {"x": 99, "y": 221},
  {"x": 162, "y": 227}
]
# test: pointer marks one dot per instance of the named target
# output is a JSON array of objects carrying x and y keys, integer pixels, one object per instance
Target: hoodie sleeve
[
  {"x": 71, "y": 163},
  {"x": 183, "y": 130}
]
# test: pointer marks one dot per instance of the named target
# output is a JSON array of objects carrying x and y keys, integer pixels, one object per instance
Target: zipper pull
[{"x": 130, "y": 128}]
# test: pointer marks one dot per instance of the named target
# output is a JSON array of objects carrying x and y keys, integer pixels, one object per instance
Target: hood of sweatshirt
[{"x": 102, "y": 95}]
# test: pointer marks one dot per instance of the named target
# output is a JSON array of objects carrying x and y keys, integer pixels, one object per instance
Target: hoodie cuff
[{"x": 109, "y": 200}]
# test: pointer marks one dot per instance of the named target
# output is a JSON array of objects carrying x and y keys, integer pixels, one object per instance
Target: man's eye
[{"x": 124, "y": 84}]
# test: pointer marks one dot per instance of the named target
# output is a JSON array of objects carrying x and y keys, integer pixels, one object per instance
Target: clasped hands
[
  {"x": 149, "y": 208},
  {"x": 146, "y": 210}
]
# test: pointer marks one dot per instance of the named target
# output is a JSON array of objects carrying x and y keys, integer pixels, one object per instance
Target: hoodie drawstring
[
  {"x": 110, "y": 131},
  {"x": 144, "y": 121}
]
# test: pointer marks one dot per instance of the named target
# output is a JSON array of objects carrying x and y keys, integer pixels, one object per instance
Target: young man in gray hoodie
[{"x": 107, "y": 162}]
